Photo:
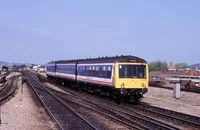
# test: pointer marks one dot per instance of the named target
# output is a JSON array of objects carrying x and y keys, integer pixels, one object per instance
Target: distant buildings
[
  {"x": 171, "y": 67},
  {"x": 39, "y": 68},
  {"x": 172, "y": 70}
]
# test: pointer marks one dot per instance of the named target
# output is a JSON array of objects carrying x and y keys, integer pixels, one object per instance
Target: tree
[
  {"x": 181, "y": 65},
  {"x": 4, "y": 68},
  {"x": 14, "y": 66},
  {"x": 22, "y": 66},
  {"x": 157, "y": 65},
  {"x": 19, "y": 66}
]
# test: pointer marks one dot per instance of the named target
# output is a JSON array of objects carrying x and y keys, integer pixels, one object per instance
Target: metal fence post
[{"x": 176, "y": 91}]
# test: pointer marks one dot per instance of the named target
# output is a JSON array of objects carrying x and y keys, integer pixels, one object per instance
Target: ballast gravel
[
  {"x": 188, "y": 103},
  {"x": 23, "y": 111}
]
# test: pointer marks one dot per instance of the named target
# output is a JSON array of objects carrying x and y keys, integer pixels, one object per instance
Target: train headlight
[{"x": 143, "y": 85}]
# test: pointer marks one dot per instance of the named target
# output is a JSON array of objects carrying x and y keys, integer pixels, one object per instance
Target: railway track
[
  {"x": 3, "y": 86},
  {"x": 63, "y": 114},
  {"x": 151, "y": 117},
  {"x": 185, "y": 118},
  {"x": 3, "y": 77},
  {"x": 149, "y": 121},
  {"x": 132, "y": 121},
  {"x": 9, "y": 88},
  {"x": 164, "y": 115},
  {"x": 191, "y": 89},
  {"x": 133, "y": 114}
]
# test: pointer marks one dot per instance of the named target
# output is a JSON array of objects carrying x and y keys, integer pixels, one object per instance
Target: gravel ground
[
  {"x": 23, "y": 111},
  {"x": 189, "y": 103},
  {"x": 1, "y": 84}
]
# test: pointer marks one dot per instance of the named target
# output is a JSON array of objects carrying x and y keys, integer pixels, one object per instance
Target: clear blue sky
[{"x": 38, "y": 31}]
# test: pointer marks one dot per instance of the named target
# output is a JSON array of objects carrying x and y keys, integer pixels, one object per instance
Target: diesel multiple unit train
[{"x": 124, "y": 77}]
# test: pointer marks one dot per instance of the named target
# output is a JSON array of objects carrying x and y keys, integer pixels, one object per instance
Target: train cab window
[
  {"x": 132, "y": 71},
  {"x": 141, "y": 71}
]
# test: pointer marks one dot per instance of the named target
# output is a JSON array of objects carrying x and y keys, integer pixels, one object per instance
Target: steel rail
[
  {"x": 64, "y": 104},
  {"x": 139, "y": 116},
  {"x": 115, "y": 119},
  {"x": 87, "y": 103},
  {"x": 173, "y": 115},
  {"x": 8, "y": 91}
]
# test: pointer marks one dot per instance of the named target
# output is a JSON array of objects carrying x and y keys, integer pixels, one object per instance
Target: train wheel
[
  {"x": 126, "y": 99},
  {"x": 63, "y": 83},
  {"x": 118, "y": 98},
  {"x": 137, "y": 99}
]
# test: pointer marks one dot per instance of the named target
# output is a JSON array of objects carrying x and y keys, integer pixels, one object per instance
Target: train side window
[
  {"x": 79, "y": 70},
  {"x": 97, "y": 71},
  {"x": 100, "y": 71},
  {"x": 88, "y": 71},
  {"x": 104, "y": 72},
  {"x": 85, "y": 71},
  {"x": 82, "y": 70},
  {"x": 93, "y": 71},
  {"x": 109, "y": 72}
]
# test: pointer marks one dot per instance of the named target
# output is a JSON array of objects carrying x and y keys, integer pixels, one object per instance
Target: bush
[{"x": 157, "y": 65}]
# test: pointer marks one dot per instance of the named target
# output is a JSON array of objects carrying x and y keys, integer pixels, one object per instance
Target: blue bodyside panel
[
  {"x": 66, "y": 69},
  {"x": 50, "y": 68},
  {"x": 100, "y": 71}
]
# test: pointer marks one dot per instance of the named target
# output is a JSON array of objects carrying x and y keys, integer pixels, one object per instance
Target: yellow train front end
[{"x": 131, "y": 79}]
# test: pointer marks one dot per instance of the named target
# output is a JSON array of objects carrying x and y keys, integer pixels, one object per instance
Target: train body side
[
  {"x": 96, "y": 73},
  {"x": 51, "y": 70},
  {"x": 65, "y": 71}
]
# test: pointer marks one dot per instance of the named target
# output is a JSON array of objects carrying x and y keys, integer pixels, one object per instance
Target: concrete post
[{"x": 176, "y": 91}]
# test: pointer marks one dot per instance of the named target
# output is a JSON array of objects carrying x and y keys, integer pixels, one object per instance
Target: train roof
[
  {"x": 128, "y": 58},
  {"x": 114, "y": 59}
]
